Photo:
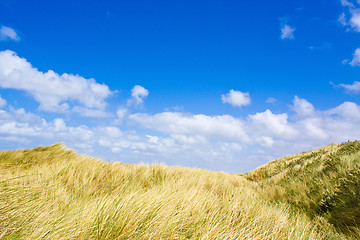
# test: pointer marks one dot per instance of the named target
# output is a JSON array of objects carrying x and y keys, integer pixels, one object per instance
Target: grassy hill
[
  {"x": 322, "y": 182},
  {"x": 51, "y": 192}
]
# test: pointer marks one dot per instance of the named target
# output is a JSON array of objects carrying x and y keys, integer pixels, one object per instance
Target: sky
[{"x": 218, "y": 85}]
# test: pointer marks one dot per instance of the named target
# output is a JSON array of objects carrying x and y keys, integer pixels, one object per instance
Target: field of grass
[{"x": 53, "y": 193}]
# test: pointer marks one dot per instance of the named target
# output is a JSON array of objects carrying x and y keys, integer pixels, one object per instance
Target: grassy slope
[
  {"x": 51, "y": 192},
  {"x": 324, "y": 182}
]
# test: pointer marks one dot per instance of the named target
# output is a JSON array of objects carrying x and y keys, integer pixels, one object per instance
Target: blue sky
[{"x": 219, "y": 85}]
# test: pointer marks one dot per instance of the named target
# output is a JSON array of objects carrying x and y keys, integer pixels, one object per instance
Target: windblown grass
[
  {"x": 53, "y": 193},
  {"x": 323, "y": 182}
]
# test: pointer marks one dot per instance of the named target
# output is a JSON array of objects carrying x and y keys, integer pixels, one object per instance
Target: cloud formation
[
  {"x": 197, "y": 138},
  {"x": 351, "y": 88},
  {"x": 306, "y": 128},
  {"x": 273, "y": 125},
  {"x": 2, "y": 102},
  {"x": 302, "y": 107},
  {"x": 138, "y": 94},
  {"x": 271, "y": 100},
  {"x": 111, "y": 142},
  {"x": 52, "y": 91},
  {"x": 193, "y": 139},
  {"x": 236, "y": 98},
  {"x": 8, "y": 33},
  {"x": 356, "y": 58},
  {"x": 350, "y": 17},
  {"x": 174, "y": 123},
  {"x": 287, "y": 32}
]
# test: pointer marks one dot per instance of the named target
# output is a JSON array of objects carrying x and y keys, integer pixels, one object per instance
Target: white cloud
[
  {"x": 356, "y": 58},
  {"x": 121, "y": 114},
  {"x": 19, "y": 125},
  {"x": 266, "y": 141},
  {"x": 187, "y": 139},
  {"x": 88, "y": 112},
  {"x": 153, "y": 139},
  {"x": 271, "y": 100},
  {"x": 51, "y": 90},
  {"x": 355, "y": 20},
  {"x": 2, "y": 102},
  {"x": 347, "y": 110},
  {"x": 138, "y": 93},
  {"x": 302, "y": 107},
  {"x": 112, "y": 132},
  {"x": 197, "y": 140},
  {"x": 351, "y": 15},
  {"x": 342, "y": 19},
  {"x": 275, "y": 125},
  {"x": 236, "y": 98},
  {"x": 287, "y": 32},
  {"x": 218, "y": 127},
  {"x": 346, "y": 3},
  {"x": 351, "y": 88},
  {"x": 8, "y": 33},
  {"x": 272, "y": 135}
]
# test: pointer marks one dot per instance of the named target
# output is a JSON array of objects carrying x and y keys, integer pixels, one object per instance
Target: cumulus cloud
[
  {"x": 153, "y": 139},
  {"x": 347, "y": 110},
  {"x": 355, "y": 20},
  {"x": 302, "y": 107},
  {"x": 138, "y": 93},
  {"x": 287, "y": 32},
  {"x": 25, "y": 126},
  {"x": 350, "y": 17},
  {"x": 2, "y": 102},
  {"x": 309, "y": 121},
  {"x": 214, "y": 142},
  {"x": 219, "y": 127},
  {"x": 236, "y": 98},
  {"x": 272, "y": 135},
  {"x": 313, "y": 128},
  {"x": 51, "y": 90},
  {"x": 356, "y": 58},
  {"x": 273, "y": 125},
  {"x": 307, "y": 128},
  {"x": 121, "y": 113},
  {"x": 351, "y": 88},
  {"x": 336, "y": 124},
  {"x": 8, "y": 33},
  {"x": 19, "y": 126}
]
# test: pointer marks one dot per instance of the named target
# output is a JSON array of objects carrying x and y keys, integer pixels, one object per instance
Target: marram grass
[{"x": 53, "y": 193}]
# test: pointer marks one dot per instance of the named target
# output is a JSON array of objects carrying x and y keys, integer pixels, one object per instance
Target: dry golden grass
[
  {"x": 324, "y": 182},
  {"x": 53, "y": 193}
]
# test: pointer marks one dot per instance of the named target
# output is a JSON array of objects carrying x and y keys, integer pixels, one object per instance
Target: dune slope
[{"x": 53, "y": 193}]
